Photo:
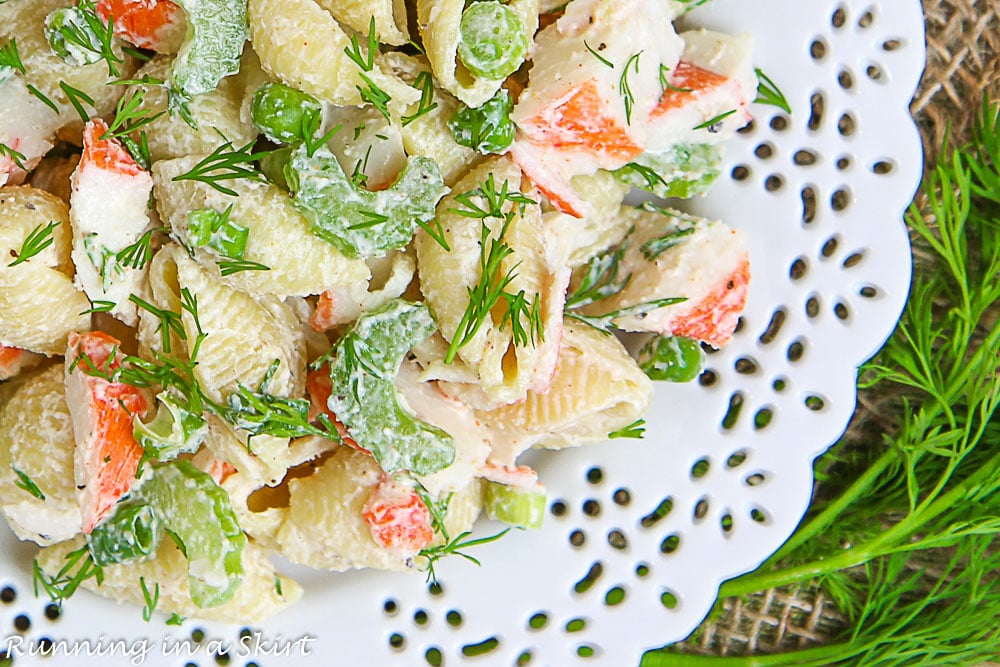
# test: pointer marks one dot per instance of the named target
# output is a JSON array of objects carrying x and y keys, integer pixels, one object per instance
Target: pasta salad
[{"x": 306, "y": 277}]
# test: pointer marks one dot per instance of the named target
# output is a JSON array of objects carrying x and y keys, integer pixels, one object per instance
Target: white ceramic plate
[{"x": 821, "y": 193}]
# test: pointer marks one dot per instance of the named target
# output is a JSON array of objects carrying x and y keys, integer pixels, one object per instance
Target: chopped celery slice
[
  {"x": 208, "y": 227},
  {"x": 174, "y": 430},
  {"x": 197, "y": 514},
  {"x": 217, "y": 31},
  {"x": 364, "y": 396},
  {"x": 521, "y": 508},
  {"x": 682, "y": 172},
  {"x": 132, "y": 532},
  {"x": 361, "y": 223}
]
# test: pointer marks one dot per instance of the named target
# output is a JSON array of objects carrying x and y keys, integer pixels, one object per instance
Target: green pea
[
  {"x": 493, "y": 41},
  {"x": 487, "y": 128},
  {"x": 671, "y": 358},
  {"x": 282, "y": 113}
]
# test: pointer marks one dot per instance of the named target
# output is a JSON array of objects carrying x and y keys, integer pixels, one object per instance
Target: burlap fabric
[{"x": 963, "y": 64}]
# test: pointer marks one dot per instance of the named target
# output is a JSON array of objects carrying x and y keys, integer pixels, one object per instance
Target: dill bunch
[{"x": 930, "y": 491}]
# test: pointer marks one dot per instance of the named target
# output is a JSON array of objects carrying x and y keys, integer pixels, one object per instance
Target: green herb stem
[
  {"x": 816, "y": 526},
  {"x": 881, "y": 545},
  {"x": 819, "y": 655}
]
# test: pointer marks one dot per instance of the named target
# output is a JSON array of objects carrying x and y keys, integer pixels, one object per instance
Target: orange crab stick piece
[
  {"x": 107, "y": 454},
  {"x": 325, "y": 315},
  {"x": 109, "y": 210},
  {"x": 218, "y": 469},
  {"x": 13, "y": 360},
  {"x": 713, "y": 319},
  {"x": 687, "y": 84},
  {"x": 583, "y": 120},
  {"x": 149, "y": 24},
  {"x": 397, "y": 517},
  {"x": 576, "y": 133},
  {"x": 107, "y": 154}
]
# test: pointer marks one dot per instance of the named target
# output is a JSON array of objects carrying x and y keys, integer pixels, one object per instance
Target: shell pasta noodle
[{"x": 303, "y": 280}]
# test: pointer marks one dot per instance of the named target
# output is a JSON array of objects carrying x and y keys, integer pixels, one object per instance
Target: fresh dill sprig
[
  {"x": 226, "y": 163},
  {"x": 43, "y": 98},
  {"x": 518, "y": 311},
  {"x": 189, "y": 304},
  {"x": 10, "y": 58},
  {"x": 77, "y": 98},
  {"x": 493, "y": 281},
  {"x": 259, "y": 412},
  {"x": 366, "y": 61},
  {"x": 600, "y": 279},
  {"x": 605, "y": 321},
  {"x": 435, "y": 230},
  {"x": 16, "y": 157},
  {"x": 657, "y": 246},
  {"x": 438, "y": 509},
  {"x": 454, "y": 548},
  {"x": 35, "y": 242},
  {"x": 493, "y": 198},
  {"x": 79, "y": 568},
  {"x": 311, "y": 122},
  {"x": 229, "y": 266},
  {"x": 931, "y": 493},
  {"x": 139, "y": 150},
  {"x": 375, "y": 96},
  {"x": 691, "y": 4},
  {"x": 130, "y": 116},
  {"x": 626, "y": 88},
  {"x": 371, "y": 218},
  {"x": 100, "y": 307},
  {"x": 25, "y": 482},
  {"x": 653, "y": 179},
  {"x": 170, "y": 322},
  {"x": 665, "y": 84},
  {"x": 425, "y": 83},
  {"x": 636, "y": 429},
  {"x": 604, "y": 61},
  {"x": 712, "y": 124},
  {"x": 144, "y": 80},
  {"x": 151, "y": 599},
  {"x": 138, "y": 254},
  {"x": 769, "y": 93}
]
